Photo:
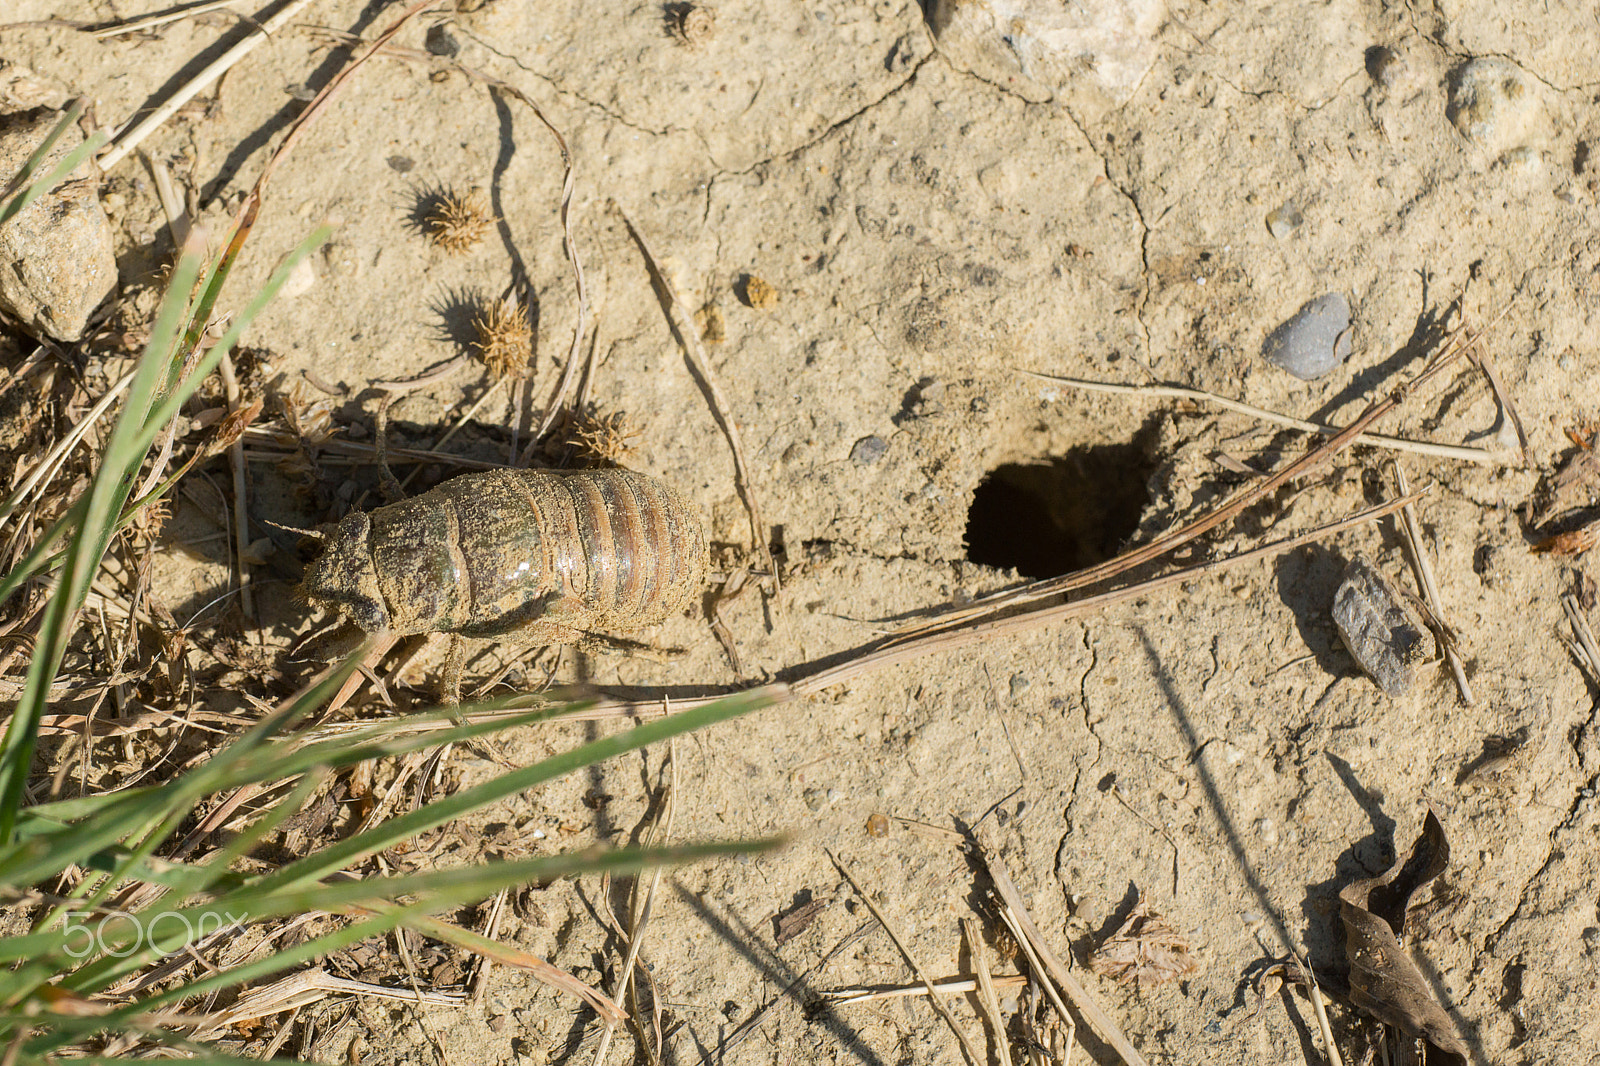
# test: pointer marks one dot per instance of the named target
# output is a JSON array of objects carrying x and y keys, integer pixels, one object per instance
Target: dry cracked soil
[{"x": 891, "y": 238}]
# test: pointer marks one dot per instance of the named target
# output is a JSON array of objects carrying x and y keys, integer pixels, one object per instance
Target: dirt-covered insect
[{"x": 526, "y": 555}]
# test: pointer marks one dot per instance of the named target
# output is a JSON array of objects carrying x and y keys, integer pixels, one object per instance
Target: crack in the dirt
[
  {"x": 834, "y": 127},
  {"x": 1554, "y": 852},
  {"x": 561, "y": 90},
  {"x": 1145, "y": 287},
  {"x": 1083, "y": 696}
]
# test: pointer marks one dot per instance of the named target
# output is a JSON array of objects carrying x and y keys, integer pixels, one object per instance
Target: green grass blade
[
  {"x": 376, "y": 839},
  {"x": 111, "y": 485}
]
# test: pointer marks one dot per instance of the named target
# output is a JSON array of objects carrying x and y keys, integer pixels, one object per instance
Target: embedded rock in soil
[
  {"x": 1492, "y": 103},
  {"x": 56, "y": 258}
]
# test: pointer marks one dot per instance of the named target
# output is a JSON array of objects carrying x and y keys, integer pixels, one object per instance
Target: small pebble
[
  {"x": 868, "y": 450},
  {"x": 1491, "y": 103},
  {"x": 1019, "y": 685},
  {"x": 816, "y": 798},
  {"x": 759, "y": 293},
  {"x": 877, "y": 825},
  {"x": 441, "y": 42},
  {"x": 1313, "y": 342},
  {"x": 1282, "y": 221},
  {"x": 1386, "y": 642}
]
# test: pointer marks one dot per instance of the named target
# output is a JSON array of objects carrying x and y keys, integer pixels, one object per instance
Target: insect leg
[
  {"x": 390, "y": 484},
  {"x": 453, "y": 661}
]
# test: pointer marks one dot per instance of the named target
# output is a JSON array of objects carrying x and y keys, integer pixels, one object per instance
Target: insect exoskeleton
[{"x": 521, "y": 554}]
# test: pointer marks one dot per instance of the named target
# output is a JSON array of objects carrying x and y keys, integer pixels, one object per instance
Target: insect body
[{"x": 523, "y": 554}]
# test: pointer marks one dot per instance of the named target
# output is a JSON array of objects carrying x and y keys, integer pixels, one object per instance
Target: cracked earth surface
[{"x": 928, "y": 215}]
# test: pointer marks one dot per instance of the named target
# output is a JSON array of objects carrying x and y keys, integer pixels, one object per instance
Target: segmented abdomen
[{"x": 487, "y": 554}]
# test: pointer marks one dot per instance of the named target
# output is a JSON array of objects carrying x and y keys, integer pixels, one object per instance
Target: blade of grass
[
  {"x": 449, "y": 808},
  {"x": 104, "y": 499}
]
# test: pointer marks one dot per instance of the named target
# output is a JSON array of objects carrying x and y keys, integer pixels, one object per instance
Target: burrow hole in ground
[{"x": 1054, "y": 515}]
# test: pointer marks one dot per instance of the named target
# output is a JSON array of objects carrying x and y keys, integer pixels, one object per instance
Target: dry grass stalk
[
  {"x": 937, "y": 1000},
  {"x": 844, "y": 997},
  {"x": 505, "y": 339},
  {"x": 642, "y": 907},
  {"x": 129, "y": 139},
  {"x": 683, "y": 327},
  {"x": 458, "y": 222},
  {"x": 1584, "y": 636},
  {"x": 1054, "y": 976},
  {"x": 1463, "y": 452},
  {"x": 1423, "y": 563},
  {"x": 149, "y": 22},
  {"x": 987, "y": 999},
  {"x": 312, "y": 986}
]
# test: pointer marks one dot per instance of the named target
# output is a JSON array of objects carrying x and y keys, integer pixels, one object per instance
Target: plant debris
[
  {"x": 459, "y": 221},
  {"x": 505, "y": 339},
  {"x": 1384, "y": 981},
  {"x": 1147, "y": 949}
]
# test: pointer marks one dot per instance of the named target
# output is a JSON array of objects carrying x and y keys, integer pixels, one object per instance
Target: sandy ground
[{"x": 935, "y": 220}]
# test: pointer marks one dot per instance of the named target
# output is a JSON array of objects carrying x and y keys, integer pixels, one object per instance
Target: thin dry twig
[
  {"x": 683, "y": 328},
  {"x": 979, "y": 952},
  {"x": 1464, "y": 452},
  {"x": 160, "y": 18},
  {"x": 934, "y": 997},
  {"x": 1502, "y": 397},
  {"x": 129, "y": 138},
  {"x": 1430, "y": 588},
  {"x": 1053, "y": 975},
  {"x": 844, "y": 997}
]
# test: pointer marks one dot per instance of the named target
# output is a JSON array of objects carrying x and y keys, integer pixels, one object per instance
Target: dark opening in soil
[{"x": 1059, "y": 515}]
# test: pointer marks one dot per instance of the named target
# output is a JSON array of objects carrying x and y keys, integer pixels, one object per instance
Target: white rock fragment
[
  {"x": 56, "y": 259},
  {"x": 1051, "y": 43},
  {"x": 1493, "y": 104}
]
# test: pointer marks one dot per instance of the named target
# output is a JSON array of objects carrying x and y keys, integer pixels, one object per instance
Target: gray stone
[
  {"x": 868, "y": 450},
  {"x": 56, "y": 260},
  {"x": 1383, "y": 637},
  {"x": 1313, "y": 342}
]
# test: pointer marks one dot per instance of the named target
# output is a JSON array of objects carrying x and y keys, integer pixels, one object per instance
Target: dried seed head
[
  {"x": 505, "y": 339},
  {"x": 458, "y": 221},
  {"x": 603, "y": 440}
]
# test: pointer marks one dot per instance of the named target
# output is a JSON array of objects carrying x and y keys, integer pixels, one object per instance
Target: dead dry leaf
[
  {"x": 1384, "y": 980},
  {"x": 1147, "y": 949}
]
